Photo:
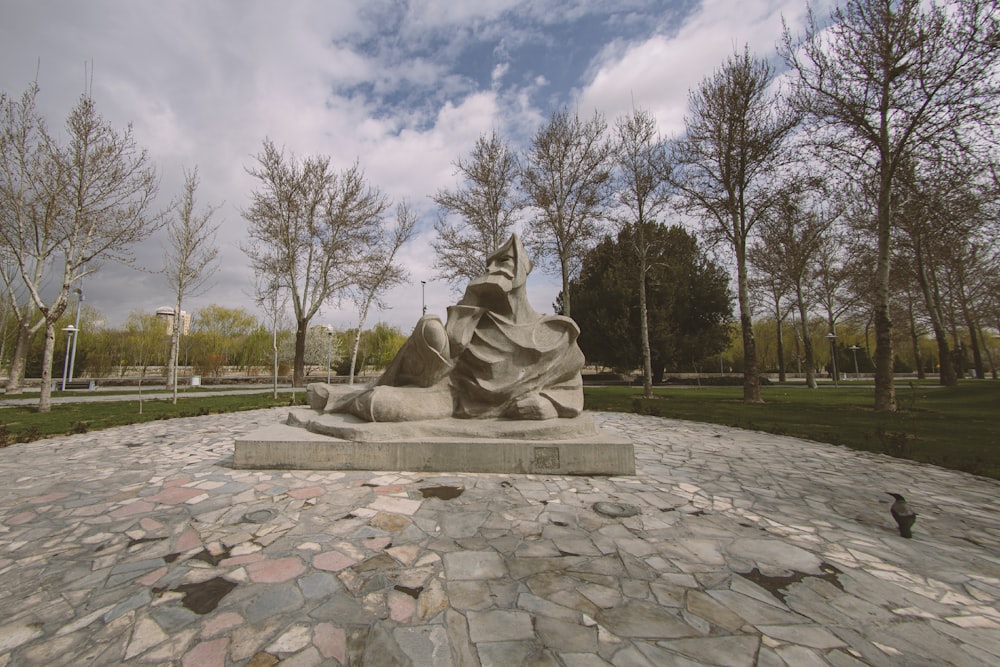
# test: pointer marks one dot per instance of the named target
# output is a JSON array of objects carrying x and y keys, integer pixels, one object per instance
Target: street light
[
  {"x": 76, "y": 331},
  {"x": 833, "y": 357},
  {"x": 423, "y": 296},
  {"x": 329, "y": 352},
  {"x": 854, "y": 350},
  {"x": 172, "y": 318},
  {"x": 70, "y": 333}
]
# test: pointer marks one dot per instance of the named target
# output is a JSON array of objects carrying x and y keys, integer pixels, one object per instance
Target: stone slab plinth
[{"x": 575, "y": 447}]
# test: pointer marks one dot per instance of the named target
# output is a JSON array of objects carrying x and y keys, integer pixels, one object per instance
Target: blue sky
[{"x": 403, "y": 86}]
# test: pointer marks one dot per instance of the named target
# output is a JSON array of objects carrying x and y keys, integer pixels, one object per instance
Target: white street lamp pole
[
  {"x": 76, "y": 334},
  {"x": 329, "y": 352},
  {"x": 854, "y": 350},
  {"x": 833, "y": 358},
  {"x": 423, "y": 297},
  {"x": 70, "y": 331}
]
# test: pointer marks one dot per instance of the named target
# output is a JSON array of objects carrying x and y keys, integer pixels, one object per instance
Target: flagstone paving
[{"x": 142, "y": 545}]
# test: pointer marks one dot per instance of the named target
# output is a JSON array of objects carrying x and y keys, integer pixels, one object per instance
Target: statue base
[{"x": 312, "y": 440}]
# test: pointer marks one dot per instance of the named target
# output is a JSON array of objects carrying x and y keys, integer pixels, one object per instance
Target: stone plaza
[{"x": 145, "y": 545}]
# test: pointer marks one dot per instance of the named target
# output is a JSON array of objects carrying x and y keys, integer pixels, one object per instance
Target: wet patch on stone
[
  {"x": 143, "y": 540},
  {"x": 412, "y": 592},
  {"x": 777, "y": 585},
  {"x": 212, "y": 559},
  {"x": 615, "y": 510},
  {"x": 258, "y": 516},
  {"x": 442, "y": 492},
  {"x": 202, "y": 597}
]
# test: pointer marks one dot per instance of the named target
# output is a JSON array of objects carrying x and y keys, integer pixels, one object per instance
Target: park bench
[{"x": 57, "y": 385}]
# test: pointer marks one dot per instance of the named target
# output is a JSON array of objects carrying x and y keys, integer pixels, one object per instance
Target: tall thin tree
[
  {"x": 190, "y": 255},
  {"x": 889, "y": 80},
  {"x": 487, "y": 203},
  {"x": 566, "y": 175},
  {"x": 727, "y": 164},
  {"x": 313, "y": 230},
  {"x": 641, "y": 191}
]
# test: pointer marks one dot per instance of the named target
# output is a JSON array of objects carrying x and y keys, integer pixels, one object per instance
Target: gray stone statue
[{"x": 495, "y": 357}]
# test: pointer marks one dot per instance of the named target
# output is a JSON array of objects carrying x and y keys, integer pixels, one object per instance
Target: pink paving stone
[
  {"x": 175, "y": 495},
  {"x": 150, "y": 524},
  {"x": 227, "y": 620},
  {"x": 152, "y": 577},
  {"x": 19, "y": 519},
  {"x": 189, "y": 539},
  {"x": 377, "y": 543},
  {"x": 207, "y": 654},
  {"x": 331, "y": 642},
  {"x": 306, "y": 493},
  {"x": 333, "y": 561},
  {"x": 138, "y": 507},
  {"x": 401, "y": 607},
  {"x": 394, "y": 488},
  {"x": 275, "y": 571},
  {"x": 241, "y": 560},
  {"x": 48, "y": 498},
  {"x": 176, "y": 482}
]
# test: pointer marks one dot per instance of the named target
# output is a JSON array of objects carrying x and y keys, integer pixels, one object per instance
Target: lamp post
[
  {"x": 329, "y": 352},
  {"x": 423, "y": 297},
  {"x": 170, "y": 316},
  {"x": 832, "y": 337},
  {"x": 76, "y": 332},
  {"x": 70, "y": 333},
  {"x": 854, "y": 350}
]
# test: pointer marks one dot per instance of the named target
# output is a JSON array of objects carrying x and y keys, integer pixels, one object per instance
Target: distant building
[{"x": 167, "y": 313}]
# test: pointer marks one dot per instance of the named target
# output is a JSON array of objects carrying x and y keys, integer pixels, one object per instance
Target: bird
[{"x": 903, "y": 515}]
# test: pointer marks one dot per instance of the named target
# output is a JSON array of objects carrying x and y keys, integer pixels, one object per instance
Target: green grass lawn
[
  {"x": 950, "y": 427},
  {"x": 954, "y": 428},
  {"x": 23, "y": 424}
]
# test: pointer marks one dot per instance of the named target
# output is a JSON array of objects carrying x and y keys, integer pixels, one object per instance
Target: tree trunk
[
  {"x": 175, "y": 337},
  {"x": 915, "y": 340},
  {"x": 298, "y": 366},
  {"x": 973, "y": 327},
  {"x": 15, "y": 377},
  {"x": 781, "y": 352},
  {"x": 932, "y": 303},
  {"x": 885, "y": 388},
  {"x": 274, "y": 350},
  {"x": 45, "y": 396},
  {"x": 564, "y": 269},
  {"x": 357, "y": 338},
  {"x": 751, "y": 382},
  {"x": 647, "y": 361},
  {"x": 806, "y": 342}
]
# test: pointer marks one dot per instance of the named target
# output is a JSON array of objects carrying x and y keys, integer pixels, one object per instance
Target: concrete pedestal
[{"x": 340, "y": 442}]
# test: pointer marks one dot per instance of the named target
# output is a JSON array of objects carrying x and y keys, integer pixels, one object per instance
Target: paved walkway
[{"x": 141, "y": 545}]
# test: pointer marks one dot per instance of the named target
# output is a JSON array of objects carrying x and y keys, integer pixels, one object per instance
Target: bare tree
[
  {"x": 312, "y": 230},
  {"x": 383, "y": 274},
  {"x": 273, "y": 301},
  {"x": 566, "y": 176},
  {"x": 29, "y": 203},
  {"x": 726, "y": 169},
  {"x": 76, "y": 205},
  {"x": 641, "y": 190},
  {"x": 191, "y": 252},
  {"x": 785, "y": 252},
  {"x": 890, "y": 80},
  {"x": 487, "y": 203}
]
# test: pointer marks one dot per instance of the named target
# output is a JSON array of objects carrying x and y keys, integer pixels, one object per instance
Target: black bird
[{"x": 903, "y": 515}]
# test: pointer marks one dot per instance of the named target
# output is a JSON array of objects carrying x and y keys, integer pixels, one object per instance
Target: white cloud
[
  {"x": 657, "y": 74},
  {"x": 204, "y": 83}
]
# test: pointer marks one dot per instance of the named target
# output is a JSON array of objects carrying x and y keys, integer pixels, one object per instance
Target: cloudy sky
[{"x": 403, "y": 86}]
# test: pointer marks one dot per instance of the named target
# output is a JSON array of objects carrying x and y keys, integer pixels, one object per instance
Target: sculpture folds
[{"x": 495, "y": 357}]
